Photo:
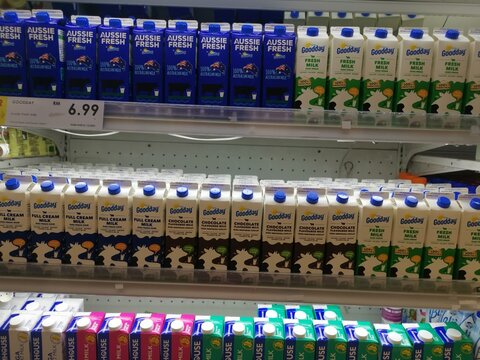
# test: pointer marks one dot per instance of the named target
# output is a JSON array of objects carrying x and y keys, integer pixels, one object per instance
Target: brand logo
[
  {"x": 451, "y": 51},
  {"x": 181, "y": 210},
  {"x": 312, "y": 217},
  {"x": 146, "y": 51},
  {"x": 214, "y": 211},
  {"x": 246, "y": 212},
  {"x": 166, "y": 349},
  {"x": 135, "y": 348},
  {"x": 78, "y": 206},
  {"x": 279, "y": 216},
  {"x": 10, "y": 203},
  {"x": 110, "y": 208},
  {"x": 103, "y": 343},
  {"x": 290, "y": 352},
  {"x": 246, "y": 55},
  {"x": 228, "y": 350},
  {"x": 44, "y": 205},
  {"x": 344, "y": 48},
  {"x": 415, "y": 51},
  {"x": 147, "y": 208},
  {"x": 309, "y": 48},
  {"x": 374, "y": 218},
  {"x": 380, "y": 50},
  {"x": 197, "y": 350},
  {"x": 409, "y": 220},
  {"x": 71, "y": 353},
  {"x": 474, "y": 222},
  {"x": 343, "y": 216},
  {"x": 444, "y": 221}
]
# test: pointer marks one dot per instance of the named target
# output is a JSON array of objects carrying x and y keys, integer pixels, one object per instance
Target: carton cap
[
  {"x": 62, "y": 307},
  {"x": 300, "y": 315},
  {"x": 318, "y": 13},
  {"x": 312, "y": 31},
  {"x": 394, "y": 337},
  {"x": 5, "y": 297},
  {"x": 271, "y": 314},
  {"x": 330, "y": 332},
  {"x": 444, "y": 202},
  {"x": 452, "y": 34},
  {"x": 365, "y": 14},
  {"x": 149, "y": 25},
  {"x": 279, "y": 30},
  {"x": 214, "y": 28},
  {"x": 82, "y": 186},
  {"x": 329, "y": 315},
  {"x": 17, "y": 321},
  {"x": 177, "y": 325},
  {"x": 43, "y": 17},
  {"x": 10, "y": 16},
  {"x": 361, "y": 333},
  {"x": 312, "y": 196},
  {"x": 294, "y": 14},
  {"x": 247, "y": 29},
  {"x": 425, "y": 336},
  {"x": 207, "y": 327},
  {"x": 215, "y": 193},
  {"x": 342, "y": 198},
  {"x": 83, "y": 323},
  {"x": 247, "y": 194},
  {"x": 475, "y": 203},
  {"x": 115, "y": 324},
  {"x": 454, "y": 334},
  {"x": 12, "y": 184},
  {"x": 182, "y": 191},
  {"x": 181, "y": 26},
  {"x": 416, "y": 33},
  {"x": 412, "y": 16},
  {"x": 279, "y": 197},
  {"x": 381, "y": 33},
  {"x": 149, "y": 190},
  {"x": 238, "y": 328},
  {"x": 114, "y": 189},
  {"x": 342, "y": 14},
  {"x": 299, "y": 331},
  {"x": 115, "y": 23},
  {"x": 47, "y": 186},
  {"x": 33, "y": 306},
  {"x": 82, "y": 21},
  {"x": 411, "y": 201},
  {"x": 346, "y": 32},
  {"x": 49, "y": 322},
  {"x": 146, "y": 325},
  {"x": 268, "y": 329},
  {"x": 376, "y": 200}
]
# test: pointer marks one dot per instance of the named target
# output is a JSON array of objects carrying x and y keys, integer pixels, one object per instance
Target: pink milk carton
[
  {"x": 113, "y": 336},
  {"x": 176, "y": 337},
  {"x": 81, "y": 335},
  {"x": 145, "y": 336}
]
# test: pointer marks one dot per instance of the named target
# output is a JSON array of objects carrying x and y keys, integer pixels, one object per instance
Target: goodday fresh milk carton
[{"x": 472, "y": 86}]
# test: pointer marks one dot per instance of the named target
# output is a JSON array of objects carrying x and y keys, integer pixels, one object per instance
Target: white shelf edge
[{"x": 429, "y": 165}]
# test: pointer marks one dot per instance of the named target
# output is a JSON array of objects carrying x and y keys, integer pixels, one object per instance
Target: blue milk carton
[
  {"x": 278, "y": 65},
  {"x": 114, "y": 59},
  {"x": 13, "y": 71},
  {"x": 246, "y": 64},
  {"x": 181, "y": 61},
  {"x": 147, "y": 57},
  {"x": 213, "y": 63},
  {"x": 46, "y": 54},
  {"x": 81, "y": 57}
]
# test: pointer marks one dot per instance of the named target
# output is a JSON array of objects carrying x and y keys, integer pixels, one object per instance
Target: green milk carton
[
  {"x": 300, "y": 312},
  {"x": 299, "y": 339},
  {"x": 427, "y": 345},
  {"x": 269, "y": 339},
  {"x": 271, "y": 311},
  {"x": 207, "y": 337},
  {"x": 457, "y": 345},
  {"x": 238, "y": 338},
  {"x": 331, "y": 340},
  {"x": 362, "y": 343},
  {"x": 327, "y": 312},
  {"x": 394, "y": 342}
]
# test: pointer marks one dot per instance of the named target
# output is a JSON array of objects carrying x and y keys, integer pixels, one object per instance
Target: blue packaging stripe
[
  {"x": 103, "y": 343},
  {"x": 228, "y": 341},
  {"x": 447, "y": 342},
  {"x": 259, "y": 350},
  {"x": 197, "y": 340},
  {"x": 321, "y": 342},
  {"x": 135, "y": 343},
  {"x": 71, "y": 343},
  {"x": 386, "y": 346},
  {"x": 36, "y": 342}
]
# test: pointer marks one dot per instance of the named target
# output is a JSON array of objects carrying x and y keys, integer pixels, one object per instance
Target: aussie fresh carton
[
  {"x": 394, "y": 342},
  {"x": 269, "y": 339},
  {"x": 113, "y": 336},
  {"x": 176, "y": 337},
  {"x": 48, "y": 336},
  {"x": 207, "y": 337},
  {"x": 147, "y": 58},
  {"x": 362, "y": 343},
  {"x": 427, "y": 344},
  {"x": 238, "y": 339},
  {"x": 331, "y": 340},
  {"x": 271, "y": 311},
  {"x": 457, "y": 345},
  {"x": 145, "y": 336},
  {"x": 16, "y": 333},
  {"x": 327, "y": 312},
  {"x": 472, "y": 86},
  {"x": 81, "y": 335},
  {"x": 299, "y": 339}
]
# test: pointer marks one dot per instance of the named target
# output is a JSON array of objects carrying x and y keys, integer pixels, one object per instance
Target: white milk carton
[
  {"x": 114, "y": 223},
  {"x": 374, "y": 234},
  {"x": 311, "y": 67},
  {"x": 310, "y": 230},
  {"x": 47, "y": 221},
  {"x": 70, "y": 305},
  {"x": 181, "y": 225},
  {"x": 344, "y": 68},
  {"x": 412, "y": 20},
  {"x": 364, "y": 20},
  {"x": 81, "y": 222},
  {"x": 9, "y": 302},
  {"x": 318, "y": 18},
  {"x": 15, "y": 218},
  {"x": 38, "y": 304},
  {"x": 341, "y": 18},
  {"x": 467, "y": 261},
  {"x": 472, "y": 88},
  {"x": 390, "y": 21},
  {"x": 246, "y": 227},
  {"x": 16, "y": 333},
  {"x": 278, "y": 229},
  {"x": 379, "y": 67},
  {"x": 442, "y": 236},
  {"x": 411, "y": 214},
  {"x": 342, "y": 232},
  {"x": 450, "y": 62},
  {"x": 148, "y": 226},
  {"x": 48, "y": 336},
  {"x": 296, "y": 18}
]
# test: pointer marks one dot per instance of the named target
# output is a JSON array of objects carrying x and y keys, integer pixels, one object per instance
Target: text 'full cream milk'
[{"x": 472, "y": 87}]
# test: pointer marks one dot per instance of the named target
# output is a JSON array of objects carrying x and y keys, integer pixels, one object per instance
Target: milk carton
[
  {"x": 300, "y": 312},
  {"x": 374, "y": 234},
  {"x": 278, "y": 229},
  {"x": 81, "y": 222},
  {"x": 81, "y": 335},
  {"x": 389, "y": 20},
  {"x": 148, "y": 224},
  {"x": 113, "y": 336},
  {"x": 379, "y": 66},
  {"x": 181, "y": 225},
  {"x": 278, "y": 65},
  {"x": 46, "y": 56},
  {"x": 341, "y": 232},
  {"x": 271, "y": 311},
  {"x": 145, "y": 336},
  {"x": 410, "y": 216},
  {"x": 457, "y": 345},
  {"x": 310, "y": 230},
  {"x": 414, "y": 69},
  {"x": 318, "y": 18},
  {"x": 427, "y": 345},
  {"x": 48, "y": 336},
  {"x": 472, "y": 87},
  {"x": 311, "y": 67},
  {"x": 114, "y": 61},
  {"x": 362, "y": 343},
  {"x": 15, "y": 219},
  {"x": 364, "y": 20},
  {"x": 345, "y": 68},
  {"x": 412, "y": 20},
  {"x": 450, "y": 62},
  {"x": 394, "y": 342},
  {"x": 10, "y": 303},
  {"x": 13, "y": 54},
  {"x": 296, "y": 18},
  {"x": 467, "y": 260},
  {"x": 181, "y": 62},
  {"x": 114, "y": 223},
  {"x": 213, "y": 226},
  {"x": 213, "y": 63},
  {"x": 38, "y": 304},
  {"x": 331, "y": 340},
  {"x": 269, "y": 339},
  {"x": 246, "y": 227},
  {"x": 442, "y": 236},
  {"x": 176, "y": 336},
  {"x": 70, "y": 305},
  {"x": 15, "y": 335},
  {"x": 327, "y": 312},
  {"x": 81, "y": 57},
  {"x": 238, "y": 338},
  {"x": 341, "y": 18},
  {"x": 207, "y": 337},
  {"x": 299, "y": 339},
  {"x": 47, "y": 221},
  {"x": 246, "y": 64}
]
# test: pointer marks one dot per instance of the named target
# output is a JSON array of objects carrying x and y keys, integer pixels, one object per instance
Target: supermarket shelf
[
  {"x": 429, "y": 165},
  {"x": 17, "y": 162},
  {"x": 239, "y": 286}
]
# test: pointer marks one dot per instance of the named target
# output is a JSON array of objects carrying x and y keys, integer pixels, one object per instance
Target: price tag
[{"x": 53, "y": 113}]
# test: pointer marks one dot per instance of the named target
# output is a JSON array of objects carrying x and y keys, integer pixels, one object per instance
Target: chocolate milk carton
[
  {"x": 15, "y": 335},
  {"x": 472, "y": 87},
  {"x": 299, "y": 339},
  {"x": 48, "y": 336},
  {"x": 81, "y": 335},
  {"x": 331, "y": 340},
  {"x": 177, "y": 337},
  {"x": 310, "y": 230},
  {"x": 207, "y": 337},
  {"x": 278, "y": 229},
  {"x": 145, "y": 336},
  {"x": 113, "y": 336},
  {"x": 269, "y": 339},
  {"x": 394, "y": 342},
  {"x": 213, "y": 226},
  {"x": 238, "y": 339},
  {"x": 362, "y": 343},
  {"x": 427, "y": 344}
]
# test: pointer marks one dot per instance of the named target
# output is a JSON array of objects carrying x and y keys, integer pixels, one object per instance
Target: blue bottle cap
[
  {"x": 475, "y": 203},
  {"x": 416, "y": 33},
  {"x": 365, "y": 14},
  {"x": 411, "y": 201},
  {"x": 444, "y": 202},
  {"x": 247, "y": 29},
  {"x": 43, "y": 17},
  {"x": 149, "y": 190},
  {"x": 381, "y": 33},
  {"x": 10, "y": 16},
  {"x": 182, "y": 191},
  {"x": 114, "y": 189},
  {"x": 411, "y": 16},
  {"x": 342, "y": 14},
  {"x": 279, "y": 30},
  {"x": 279, "y": 197},
  {"x": 376, "y": 200},
  {"x": 388, "y": 14},
  {"x": 149, "y": 25},
  {"x": 342, "y": 198},
  {"x": 363, "y": 190},
  {"x": 452, "y": 34},
  {"x": 12, "y": 184},
  {"x": 181, "y": 26},
  {"x": 247, "y": 194},
  {"x": 82, "y": 21},
  {"x": 215, "y": 193},
  {"x": 347, "y": 32},
  {"x": 214, "y": 28},
  {"x": 318, "y": 13},
  {"x": 115, "y": 23},
  {"x": 312, "y": 197},
  {"x": 312, "y": 31},
  {"x": 47, "y": 185},
  {"x": 81, "y": 187},
  {"x": 294, "y": 14}
]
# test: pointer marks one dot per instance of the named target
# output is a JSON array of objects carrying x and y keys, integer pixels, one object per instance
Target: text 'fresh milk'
[{"x": 472, "y": 86}]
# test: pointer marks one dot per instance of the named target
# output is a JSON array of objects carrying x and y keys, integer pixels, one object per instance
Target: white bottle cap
[
  {"x": 146, "y": 325},
  {"x": 33, "y": 306},
  {"x": 300, "y": 315},
  {"x": 115, "y": 324},
  {"x": 454, "y": 334},
  {"x": 330, "y": 332},
  {"x": 208, "y": 327},
  {"x": 177, "y": 325},
  {"x": 16, "y": 321},
  {"x": 5, "y": 297},
  {"x": 271, "y": 314},
  {"x": 425, "y": 336},
  {"x": 62, "y": 307},
  {"x": 329, "y": 315},
  {"x": 299, "y": 331},
  {"x": 394, "y": 337},
  {"x": 83, "y": 323},
  {"x": 238, "y": 328},
  {"x": 48, "y": 322},
  {"x": 268, "y": 329},
  {"x": 361, "y": 333}
]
